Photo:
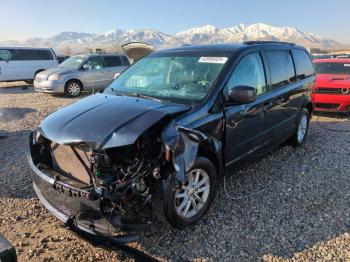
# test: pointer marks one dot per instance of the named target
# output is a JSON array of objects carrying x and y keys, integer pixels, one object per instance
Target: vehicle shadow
[
  {"x": 16, "y": 90},
  {"x": 63, "y": 96},
  {"x": 337, "y": 115},
  {"x": 287, "y": 202},
  {"x": 15, "y": 174},
  {"x": 8, "y": 114}
]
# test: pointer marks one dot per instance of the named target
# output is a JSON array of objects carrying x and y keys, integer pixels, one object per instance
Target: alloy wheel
[
  {"x": 192, "y": 195},
  {"x": 74, "y": 89}
]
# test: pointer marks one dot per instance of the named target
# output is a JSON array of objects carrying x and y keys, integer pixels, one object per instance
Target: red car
[{"x": 332, "y": 89}]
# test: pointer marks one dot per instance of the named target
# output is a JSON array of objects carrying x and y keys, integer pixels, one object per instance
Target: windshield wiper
[{"x": 143, "y": 96}]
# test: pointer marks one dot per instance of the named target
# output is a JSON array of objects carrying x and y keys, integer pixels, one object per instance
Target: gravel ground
[{"x": 292, "y": 205}]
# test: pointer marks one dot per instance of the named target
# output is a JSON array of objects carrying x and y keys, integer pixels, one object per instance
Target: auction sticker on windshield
[{"x": 213, "y": 59}]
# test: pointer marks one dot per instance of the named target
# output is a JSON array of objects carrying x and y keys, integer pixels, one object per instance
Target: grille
[
  {"x": 326, "y": 105},
  {"x": 69, "y": 206},
  {"x": 66, "y": 162},
  {"x": 327, "y": 90}
]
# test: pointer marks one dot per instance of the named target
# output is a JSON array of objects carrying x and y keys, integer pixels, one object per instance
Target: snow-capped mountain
[
  {"x": 80, "y": 42},
  {"x": 259, "y": 31}
]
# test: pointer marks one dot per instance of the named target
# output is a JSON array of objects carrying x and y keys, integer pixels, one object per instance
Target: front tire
[
  {"x": 182, "y": 205},
  {"x": 299, "y": 136},
  {"x": 73, "y": 88}
]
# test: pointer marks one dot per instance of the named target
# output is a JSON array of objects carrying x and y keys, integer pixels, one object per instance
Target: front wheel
[
  {"x": 183, "y": 204},
  {"x": 299, "y": 136},
  {"x": 73, "y": 88}
]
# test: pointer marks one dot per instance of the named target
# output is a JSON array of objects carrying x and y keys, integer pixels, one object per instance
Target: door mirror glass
[
  {"x": 86, "y": 67},
  {"x": 242, "y": 95}
]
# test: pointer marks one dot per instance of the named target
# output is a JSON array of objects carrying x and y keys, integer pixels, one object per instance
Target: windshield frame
[
  {"x": 180, "y": 53},
  {"x": 84, "y": 58}
]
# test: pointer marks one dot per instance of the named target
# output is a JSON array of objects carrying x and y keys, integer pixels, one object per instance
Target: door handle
[{"x": 268, "y": 106}]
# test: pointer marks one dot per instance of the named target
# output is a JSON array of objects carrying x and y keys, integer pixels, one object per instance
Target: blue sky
[{"x": 20, "y": 19}]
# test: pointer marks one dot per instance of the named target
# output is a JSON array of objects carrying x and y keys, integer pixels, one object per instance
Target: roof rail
[{"x": 258, "y": 42}]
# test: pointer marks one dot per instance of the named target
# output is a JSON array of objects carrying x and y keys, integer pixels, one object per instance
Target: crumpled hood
[{"x": 105, "y": 121}]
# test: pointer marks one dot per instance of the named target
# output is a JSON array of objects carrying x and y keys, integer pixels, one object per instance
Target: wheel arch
[
  {"x": 74, "y": 79},
  {"x": 309, "y": 107},
  {"x": 38, "y": 71},
  {"x": 215, "y": 156}
]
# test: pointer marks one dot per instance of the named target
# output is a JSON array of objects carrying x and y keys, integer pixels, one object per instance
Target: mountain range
[{"x": 75, "y": 42}]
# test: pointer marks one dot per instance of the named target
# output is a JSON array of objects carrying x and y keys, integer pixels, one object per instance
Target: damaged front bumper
[{"x": 79, "y": 208}]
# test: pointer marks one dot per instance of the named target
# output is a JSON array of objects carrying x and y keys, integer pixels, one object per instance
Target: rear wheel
[
  {"x": 183, "y": 204},
  {"x": 299, "y": 136},
  {"x": 73, "y": 88}
]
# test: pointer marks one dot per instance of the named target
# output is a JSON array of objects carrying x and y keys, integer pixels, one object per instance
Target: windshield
[
  {"x": 171, "y": 78},
  {"x": 334, "y": 68},
  {"x": 73, "y": 62}
]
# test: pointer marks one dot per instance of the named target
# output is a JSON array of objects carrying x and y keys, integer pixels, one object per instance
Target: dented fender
[{"x": 184, "y": 144}]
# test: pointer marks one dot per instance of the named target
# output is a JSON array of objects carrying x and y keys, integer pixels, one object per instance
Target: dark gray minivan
[{"x": 164, "y": 132}]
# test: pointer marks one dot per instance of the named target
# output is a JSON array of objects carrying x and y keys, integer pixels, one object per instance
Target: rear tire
[
  {"x": 182, "y": 205},
  {"x": 73, "y": 88},
  {"x": 299, "y": 136}
]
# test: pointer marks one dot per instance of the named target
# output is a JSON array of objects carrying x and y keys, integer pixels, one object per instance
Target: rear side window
[
  {"x": 281, "y": 68},
  {"x": 303, "y": 64},
  {"x": 334, "y": 68},
  {"x": 5, "y": 55},
  {"x": 249, "y": 72},
  {"x": 112, "y": 61},
  {"x": 30, "y": 54}
]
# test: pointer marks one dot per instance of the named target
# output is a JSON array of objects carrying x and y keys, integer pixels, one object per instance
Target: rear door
[
  {"x": 114, "y": 64},
  {"x": 286, "y": 103},
  {"x": 249, "y": 127}
]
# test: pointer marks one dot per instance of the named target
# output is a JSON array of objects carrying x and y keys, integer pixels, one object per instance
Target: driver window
[
  {"x": 249, "y": 72},
  {"x": 95, "y": 62}
]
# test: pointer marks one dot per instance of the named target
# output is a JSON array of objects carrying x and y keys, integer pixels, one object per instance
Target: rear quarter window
[
  {"x": 303, "y": 64},
  {"x": 281, "y": 68},
  {"x": 112, "y": 61}
]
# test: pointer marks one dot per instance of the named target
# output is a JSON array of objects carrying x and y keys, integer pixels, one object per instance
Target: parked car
[
  {"x": 23, "y": 64},
  {"x": 81, "y": 72},
  {"x": 166, "y": 130},
  {"x": 61, "y": 58},
  {"x": 332, "y": 89}
]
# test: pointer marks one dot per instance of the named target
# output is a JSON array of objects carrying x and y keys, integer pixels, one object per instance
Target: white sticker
[
  {"x": 213, "y": 59},
  {"x": 346, "y": 64}
]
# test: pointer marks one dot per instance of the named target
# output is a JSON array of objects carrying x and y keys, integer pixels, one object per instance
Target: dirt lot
[{"x": 292, "y": 205}]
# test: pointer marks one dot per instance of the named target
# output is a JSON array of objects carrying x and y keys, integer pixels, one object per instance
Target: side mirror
[
  {"x": 86, "y": 67},
  {"x": 241, "y": 95}
]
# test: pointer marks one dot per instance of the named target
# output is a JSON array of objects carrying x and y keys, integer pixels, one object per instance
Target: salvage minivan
[
  {"x": 24, "y": 63},
  {"x": 165, "y": 131}
]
